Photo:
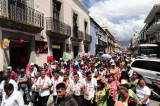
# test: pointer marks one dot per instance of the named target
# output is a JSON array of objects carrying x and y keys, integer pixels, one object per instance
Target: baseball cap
[
  {"x": 6, "y": 75},
  {"x": 9, "y": 67},
  {"x": 23, "y": 70},
  {"x": 113, "y": 64},
  {"x": 128, "y": 66},
  {"x": 53, "y": 67},
  {"x": 32, "y": 64}
]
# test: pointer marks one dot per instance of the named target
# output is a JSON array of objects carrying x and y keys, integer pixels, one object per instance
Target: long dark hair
[{"x": 101, "y": 83}]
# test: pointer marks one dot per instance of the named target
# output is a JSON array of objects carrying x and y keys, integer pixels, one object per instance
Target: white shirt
[
  {"x": 75, "y": 87},
  {"x": 90, "y": 87},
  {"x": 141, "y": 92},
  {"x": 15, "y": 99},
  {"x": 72, "y": 75},
  {"x": 11, "y": 82},
  {"x": 45, "y": 82},
  {"x": 55, "y": 82},
  {"x": 32, "y": 75}
]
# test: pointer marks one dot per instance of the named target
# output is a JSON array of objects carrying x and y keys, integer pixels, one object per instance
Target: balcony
[
  {"x": 88, "y": 38},
  {"x": 104, "y": 44},
  {"x": 153, "y": 26},
  {"x": 100, "y": 43},
  {"x": 77, "y": 35},
  {"x": 57, "y": 29},
  {"x": 18, "y": 16}
]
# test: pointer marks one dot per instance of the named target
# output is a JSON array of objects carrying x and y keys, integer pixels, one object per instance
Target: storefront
[{"x": 21, "y": 49}]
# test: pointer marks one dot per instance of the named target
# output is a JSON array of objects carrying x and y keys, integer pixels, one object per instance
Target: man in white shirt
[
  {"x": 33, "y": 66},
  {"x": 56, "y": 80},
  {"x": 75, "y": 89},
  {"x": 75, "y": 70},
  {"x": 6, "y": 80},
  {"x": 43, "y": 86},
  {"x": 12, "y": 97},
  {"x": 89, "y": 85}
]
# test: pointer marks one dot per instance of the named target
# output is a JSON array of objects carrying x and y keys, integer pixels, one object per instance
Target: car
[{"x": 148, "y": 68}]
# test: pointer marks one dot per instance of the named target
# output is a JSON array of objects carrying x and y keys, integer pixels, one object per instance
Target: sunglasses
[{"x": 135, "y": 74}]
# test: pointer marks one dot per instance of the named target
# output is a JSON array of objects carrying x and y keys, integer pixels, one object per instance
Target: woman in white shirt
[{"x": 143, "y": 92}]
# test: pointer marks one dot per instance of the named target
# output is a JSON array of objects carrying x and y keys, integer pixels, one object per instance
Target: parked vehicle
[
  {"x": 148, "y": 68},
  {"x": 156, "y": 88},
  {"x": 146, "y": 50}
]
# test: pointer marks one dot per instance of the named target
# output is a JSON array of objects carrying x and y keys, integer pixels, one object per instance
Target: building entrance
[{"x": 18, "y": 54}]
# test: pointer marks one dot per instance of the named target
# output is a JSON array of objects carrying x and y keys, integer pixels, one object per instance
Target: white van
[{"x": 148, "y": 68}]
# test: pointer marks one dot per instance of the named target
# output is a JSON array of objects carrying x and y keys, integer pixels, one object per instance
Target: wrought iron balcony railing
[
  {"x": 77, "y": 33},
  {"x": 88, "y": 37},
  {"x": 19, "y": 12},
  {"x": 100, "y": 42},
  {"x": 57, "y": 26}
]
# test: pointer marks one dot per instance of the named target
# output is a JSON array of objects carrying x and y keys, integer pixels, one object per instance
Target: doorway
[
  {"x": 57, "y": 51},
  {"x": 18, "y": 54},
  {"x": 75, "y": 51}
]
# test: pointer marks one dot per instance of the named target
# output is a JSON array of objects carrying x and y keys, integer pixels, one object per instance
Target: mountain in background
[{"x": 125, "y": 43}]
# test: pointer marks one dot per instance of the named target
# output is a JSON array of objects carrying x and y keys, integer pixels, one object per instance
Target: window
[
  {"x": 148, "y": 65},
  {"x": 56, "y": 9},
  {"x": 75, "y": 25},
  {"x": 85, "y": 26}
]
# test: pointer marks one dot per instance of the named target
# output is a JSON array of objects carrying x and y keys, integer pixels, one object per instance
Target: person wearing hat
[
  {"x": 35, "y": 94},
  {"x": 12, "y": 73},
  {"x": 127, "y": 85},
  {"x": 7, "y": 79},
  {"x": 23, "y": 82},
  {"x": 115, "y": 71}
]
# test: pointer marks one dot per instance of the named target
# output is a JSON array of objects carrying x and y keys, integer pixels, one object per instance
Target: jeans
[
  {"x": 78, "y": 99},
  {"x": 35, "y": 96},
  {"x": 25, "y": 91},
  {"x": 43, "y": 100}
]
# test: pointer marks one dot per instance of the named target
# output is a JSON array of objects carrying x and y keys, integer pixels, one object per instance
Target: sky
[{"x": 123, "y": 18}]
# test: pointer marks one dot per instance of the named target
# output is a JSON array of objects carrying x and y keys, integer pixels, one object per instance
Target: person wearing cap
[
  {"x": 33, "y": 66},
  {"x": 129, "y": 70},
  {"x": 35, "y": 94},
  {"x": 12, "y": 97},
  {"x": 114, "y": 70},
  {"x": 7, "y": 79},
  {"x": 12, "y": 73},
  {"x": 23, "y": 83}
]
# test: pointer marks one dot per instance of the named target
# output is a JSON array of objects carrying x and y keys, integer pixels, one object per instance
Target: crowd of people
[{"x": 85, "y": 82}]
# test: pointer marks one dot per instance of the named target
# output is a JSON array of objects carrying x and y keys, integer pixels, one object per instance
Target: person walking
[
  {"x": 12, "y": 97},
  {"x": 43, "y": 86},
  {"x": 23, "y": 82},
  {"x": 64, "y": 99}
]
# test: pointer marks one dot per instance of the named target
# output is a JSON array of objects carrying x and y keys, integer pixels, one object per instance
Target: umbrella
[
  {"x": 106, "y": 56},
  {"x": 76, "y": 59}
]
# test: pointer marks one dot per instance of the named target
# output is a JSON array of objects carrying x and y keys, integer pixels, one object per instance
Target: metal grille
[
  {"x": 20, "y": 12},
  {"x": 55, "y": 25}
]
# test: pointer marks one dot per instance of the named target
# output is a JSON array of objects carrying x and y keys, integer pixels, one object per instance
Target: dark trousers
[
  {"x": 78, "y": 99},
  {"x": 43, "y": 100},
  {"x": 88, "y": 103},
  {"x": 35, "y": 96}
]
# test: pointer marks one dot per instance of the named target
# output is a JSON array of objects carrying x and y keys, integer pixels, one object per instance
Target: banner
[
  {"x": 41, "y": 47},
  {"x": 5, "y": 43}
]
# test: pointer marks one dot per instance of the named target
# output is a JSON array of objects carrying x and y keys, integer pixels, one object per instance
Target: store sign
[
  {"x": 56, "y": 46},
  {"x": 5, "y": 43},
  {"x": 41, "y": 47}
]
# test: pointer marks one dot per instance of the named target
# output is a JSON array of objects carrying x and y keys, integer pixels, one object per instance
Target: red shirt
[{"x": 13, "y": 75}]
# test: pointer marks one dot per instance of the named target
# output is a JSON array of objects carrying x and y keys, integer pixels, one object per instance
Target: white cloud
[{"x": 131, "y": 15}]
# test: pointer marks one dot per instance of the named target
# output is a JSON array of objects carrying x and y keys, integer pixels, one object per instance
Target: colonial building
[
  {"x": 99, "y": 39},
  {"x": 151, "y": 31},
  {"x": 110, "y": 41},
  {"x": 31, "y": 30}
]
